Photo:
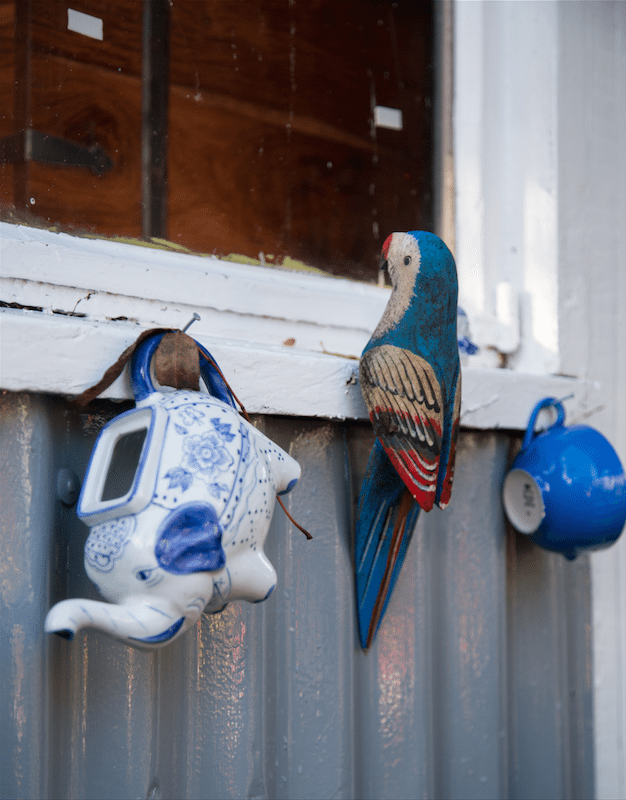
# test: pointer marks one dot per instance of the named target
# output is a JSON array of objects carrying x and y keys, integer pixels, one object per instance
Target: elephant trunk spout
[{"x": 143, "y": 623}]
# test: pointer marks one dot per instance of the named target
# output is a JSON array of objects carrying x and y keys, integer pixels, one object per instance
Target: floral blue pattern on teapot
[{"x": 179, "y": 496}]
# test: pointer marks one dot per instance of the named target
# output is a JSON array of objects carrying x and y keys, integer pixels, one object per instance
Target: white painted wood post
[{"x": 540, "y": 160}]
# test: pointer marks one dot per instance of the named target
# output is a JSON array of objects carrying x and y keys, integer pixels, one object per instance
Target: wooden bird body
[{"x": 411, "y": 384}]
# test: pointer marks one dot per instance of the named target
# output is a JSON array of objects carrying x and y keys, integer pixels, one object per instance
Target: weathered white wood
[
  {"x": 106, "y": 306},
  {"x": 105, "y": 280},
  {"x": 592, "y": 314},
  {"x": 505, "y": 73},
  {"x": 288, "y": 342},
  {"x": 65, "y": 355},
  {"x": 540, "y": 171},
  {"x": 205, "y": 282}
]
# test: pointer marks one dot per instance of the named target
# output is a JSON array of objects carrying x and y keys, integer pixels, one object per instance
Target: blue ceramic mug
[{"x": 566, "y": 489}]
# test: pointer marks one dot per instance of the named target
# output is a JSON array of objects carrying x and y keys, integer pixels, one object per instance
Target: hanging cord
[
  {"x": 177, "y": 365},
  {"x": 115, "y": 370}
]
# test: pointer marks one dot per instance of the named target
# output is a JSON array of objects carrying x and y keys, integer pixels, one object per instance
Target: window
[{"x": 266, "y": 128}]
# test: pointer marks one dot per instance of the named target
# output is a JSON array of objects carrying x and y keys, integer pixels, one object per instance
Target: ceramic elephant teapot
[{"x": 179, "y": 496}]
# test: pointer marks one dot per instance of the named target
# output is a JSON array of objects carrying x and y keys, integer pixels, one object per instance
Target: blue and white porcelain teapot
[{"x": 179, "y": 496}]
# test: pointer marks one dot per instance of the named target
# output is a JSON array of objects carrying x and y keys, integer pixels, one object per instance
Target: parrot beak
[
  {"x": 383, "y": 268},
  {"x": 384, "y": 263}
]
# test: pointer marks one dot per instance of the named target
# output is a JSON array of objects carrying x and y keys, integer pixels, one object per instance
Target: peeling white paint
[{"x": 95, "y": 299}]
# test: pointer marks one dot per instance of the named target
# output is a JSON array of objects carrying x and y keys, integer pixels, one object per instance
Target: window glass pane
[
  {"x": 273, "y": 143},
  {"x": 296, "y": 129},
  {"x": 81, "y": 91}
]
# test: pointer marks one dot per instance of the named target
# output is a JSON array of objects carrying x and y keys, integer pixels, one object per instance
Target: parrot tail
[{"x": 386, "y": 516}]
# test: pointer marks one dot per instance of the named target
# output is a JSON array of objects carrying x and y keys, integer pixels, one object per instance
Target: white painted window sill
[{"x": 288, "y": 342}]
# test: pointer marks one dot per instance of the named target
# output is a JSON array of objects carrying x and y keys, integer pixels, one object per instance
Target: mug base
[{"x": 523, "y": 502}]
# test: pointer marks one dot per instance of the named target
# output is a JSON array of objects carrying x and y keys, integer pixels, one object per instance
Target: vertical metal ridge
[{"x": 478, "y": 685}]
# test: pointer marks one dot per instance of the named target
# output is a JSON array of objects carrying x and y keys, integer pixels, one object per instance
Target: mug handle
[
  {"x": 545, "y": 403},
  {"x": 141, "y": 380}
]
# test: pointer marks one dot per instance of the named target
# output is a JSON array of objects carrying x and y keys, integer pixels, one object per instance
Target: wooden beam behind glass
[
  {"x": 154, "y": 112},
  {"x": 22, "y": 110}
]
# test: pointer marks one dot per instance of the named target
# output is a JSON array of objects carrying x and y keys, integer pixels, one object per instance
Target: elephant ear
[{"x": 190, "y": 540}]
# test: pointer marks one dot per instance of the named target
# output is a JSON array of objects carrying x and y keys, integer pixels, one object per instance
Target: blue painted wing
[
  {"x": 386, "y": 517},
  {"x": 405, "y": 403}
]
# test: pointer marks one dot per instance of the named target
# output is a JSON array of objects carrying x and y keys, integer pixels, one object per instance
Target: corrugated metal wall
[{"x": 479, "y": 684}]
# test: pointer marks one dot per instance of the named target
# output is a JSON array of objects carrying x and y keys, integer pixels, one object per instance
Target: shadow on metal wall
[{"x": 478, "y": 685}]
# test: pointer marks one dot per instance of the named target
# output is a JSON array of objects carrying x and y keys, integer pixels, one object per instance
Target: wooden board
[
  {"x": 92, "y": 106},
  {"x": 88, "y": 92}
]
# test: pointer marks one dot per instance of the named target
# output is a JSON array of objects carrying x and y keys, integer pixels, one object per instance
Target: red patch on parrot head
[{"x": 386, "y": 245}]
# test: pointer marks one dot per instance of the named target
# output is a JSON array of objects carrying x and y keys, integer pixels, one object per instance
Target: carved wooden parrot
[{"x": 411, "y": 383}]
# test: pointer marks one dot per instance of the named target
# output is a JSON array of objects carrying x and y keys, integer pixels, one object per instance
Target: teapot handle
[
  {"x": 545, "y": 403},
  {"x": 141, "y": 380}
]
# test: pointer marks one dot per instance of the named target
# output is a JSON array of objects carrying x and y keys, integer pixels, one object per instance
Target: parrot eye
[{"x": 407, "y": 260}]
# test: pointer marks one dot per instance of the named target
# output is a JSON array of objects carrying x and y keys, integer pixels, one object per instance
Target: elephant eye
[
  {"x": 144, "y": 574},
  {"x": 407, "y": 260}
]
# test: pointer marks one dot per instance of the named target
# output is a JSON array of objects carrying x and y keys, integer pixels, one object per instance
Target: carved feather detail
[{"x": 404, "y": 399}]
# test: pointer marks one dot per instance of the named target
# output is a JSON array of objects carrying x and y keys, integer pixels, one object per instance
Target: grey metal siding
[{"x": 479, "y": 684}]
